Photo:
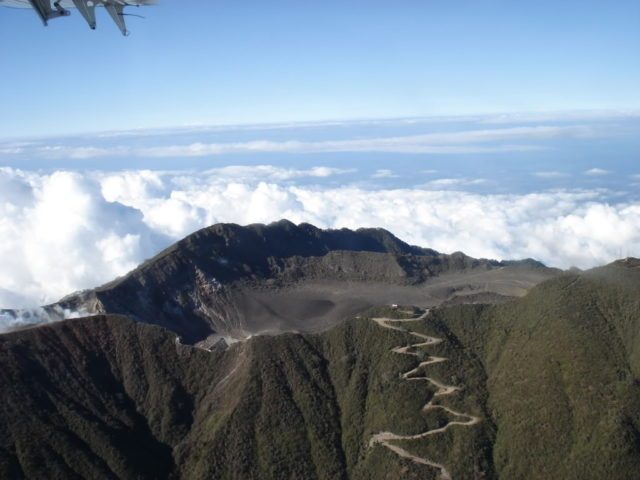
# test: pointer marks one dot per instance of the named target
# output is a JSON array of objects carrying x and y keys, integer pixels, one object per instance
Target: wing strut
[
  {"x": 88, "y": 10},
  {"x": 45, "y": 12},
  {"x": 116, "y": 10}
]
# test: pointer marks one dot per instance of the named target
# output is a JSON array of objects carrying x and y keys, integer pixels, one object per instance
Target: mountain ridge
[{"x": 202, "y": 285}]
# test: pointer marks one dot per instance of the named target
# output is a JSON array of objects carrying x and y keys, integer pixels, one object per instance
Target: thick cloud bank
[
  {"x": 65, "y": 231},
  {"x": 11, "y": 319},
  {"x": 59, "y": 234}
]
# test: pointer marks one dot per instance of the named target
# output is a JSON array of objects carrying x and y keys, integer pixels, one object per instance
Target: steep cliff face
[{"x": 233, "y": 280}]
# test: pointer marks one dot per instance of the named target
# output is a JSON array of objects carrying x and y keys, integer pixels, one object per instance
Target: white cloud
[
  {"x": 480, "y": 119},
  {"x": 456, "y": 182},
  {"x": 36, "y": 315},
  {"x": 270, "y": 172},
  {"x": 416, "y": 144},
  {"x": 565, "y": 116},
  {"x": 58, "y": 233},
  {"x": 66, "y": 231},
  {"x": 77, "y": 153},
  {"x": 384, "y": 173},
  {"x": 491, "y": 140},
  {"x": 597, "y": 172},
  {"x": 550, "y": 174}
]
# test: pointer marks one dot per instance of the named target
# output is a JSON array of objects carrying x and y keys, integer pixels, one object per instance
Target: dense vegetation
[
  {"x": 554, "y": 377},
  {"x": 562, "y": 368}
]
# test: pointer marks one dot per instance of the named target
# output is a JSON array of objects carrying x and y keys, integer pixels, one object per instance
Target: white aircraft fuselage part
[{"x": 50, "y": 9}]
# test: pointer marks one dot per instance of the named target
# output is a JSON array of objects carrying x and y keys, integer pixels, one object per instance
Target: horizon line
[{"x": 481, "y": 117}]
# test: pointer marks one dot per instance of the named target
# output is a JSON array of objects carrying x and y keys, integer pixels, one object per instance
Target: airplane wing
[
  {"x": 42, "y": 8},
  {"x": 116, "y": 10},
  {"x": 88, "y": 11},
  {"x": 47, "y": 10}
]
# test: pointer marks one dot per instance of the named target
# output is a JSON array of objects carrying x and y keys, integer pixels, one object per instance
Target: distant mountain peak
[
  {"x": 629, "y": 262},
  {"x": 235, "y": 280}
]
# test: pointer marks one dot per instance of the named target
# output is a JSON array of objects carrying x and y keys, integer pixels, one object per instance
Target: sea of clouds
[{"x": 65, "y": 231}]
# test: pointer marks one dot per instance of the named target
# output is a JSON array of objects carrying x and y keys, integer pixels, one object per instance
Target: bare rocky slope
[{"x": 228, "y": 280}]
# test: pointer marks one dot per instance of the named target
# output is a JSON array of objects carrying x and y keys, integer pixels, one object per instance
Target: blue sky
[
  {"x": 487, "y": 154},
  {"x": 221, "y": 62},
  {"x": 505, "y": 129}
]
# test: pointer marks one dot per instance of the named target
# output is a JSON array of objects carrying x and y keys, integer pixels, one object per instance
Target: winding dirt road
[{"x": 464, "y": 419}]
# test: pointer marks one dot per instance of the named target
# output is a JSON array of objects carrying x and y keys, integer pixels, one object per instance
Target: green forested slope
[
  {"x": 553, "y": 376},
  {"x": 562, "y": 369}
]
